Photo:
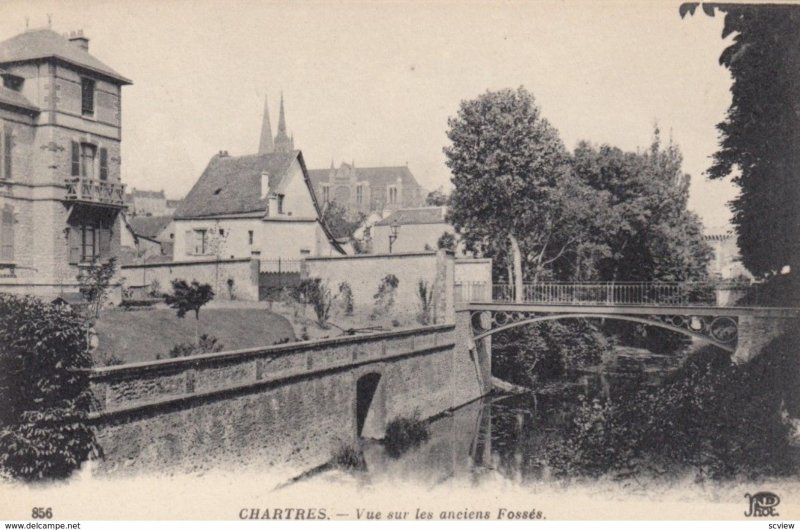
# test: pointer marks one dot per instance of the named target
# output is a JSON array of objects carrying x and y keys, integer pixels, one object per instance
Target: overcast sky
[{"x": 374, "y": 82}]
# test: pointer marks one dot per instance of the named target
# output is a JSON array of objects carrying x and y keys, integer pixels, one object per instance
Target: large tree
[
  {"x": 760, "y": 135},
  {"x": 513, "y": 190},
  {"x": 641, "y": 229}
]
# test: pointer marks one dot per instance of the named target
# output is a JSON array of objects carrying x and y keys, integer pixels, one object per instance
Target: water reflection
[{"x": 509, "y": 434}]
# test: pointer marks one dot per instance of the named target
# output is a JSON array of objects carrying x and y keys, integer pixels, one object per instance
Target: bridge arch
[
  {"x": 727, "y": 346},
  {"x": 370, "y": 405}
]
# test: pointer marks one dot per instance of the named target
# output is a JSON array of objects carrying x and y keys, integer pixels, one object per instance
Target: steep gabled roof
[
  {"x": 232, "y": 185},
  {"x": 46, "y": 43},
  {"x": 415, "y": 216},
  {"x": 376, "y": 176},
  {"x": 150, "y": 227}
]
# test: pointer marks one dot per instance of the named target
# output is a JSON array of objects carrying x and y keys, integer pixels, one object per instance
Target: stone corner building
[{"x": 60, "y": 189}]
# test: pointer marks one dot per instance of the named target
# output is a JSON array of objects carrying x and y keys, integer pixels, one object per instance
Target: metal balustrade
[{"x": 613, "y": 293}]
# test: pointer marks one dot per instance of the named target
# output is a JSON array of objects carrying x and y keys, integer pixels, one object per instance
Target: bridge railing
[{"x": 608, "y": 293}]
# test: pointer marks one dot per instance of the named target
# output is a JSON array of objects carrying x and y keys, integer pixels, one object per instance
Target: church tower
[
  {"x": 283, "y": 144},
  {"x": 266, "y": 145}
]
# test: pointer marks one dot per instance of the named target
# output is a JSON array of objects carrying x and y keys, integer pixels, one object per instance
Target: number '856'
[{"x": 42, "y": 513}]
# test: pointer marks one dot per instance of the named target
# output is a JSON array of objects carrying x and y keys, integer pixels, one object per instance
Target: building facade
[
  {"x": 258, "y": 205},
  {"x": 726, "y": 263},
  {"x": 411, "y": 230},
  {"x": 368, "y": 189},
  {"x": 60, "y": 133}
]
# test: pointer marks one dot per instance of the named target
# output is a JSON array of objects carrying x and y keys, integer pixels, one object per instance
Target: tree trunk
[{"x": 516, "y": 255}]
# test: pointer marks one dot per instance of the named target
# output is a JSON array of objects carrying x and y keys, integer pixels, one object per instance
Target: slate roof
[
  {"x": 376, "y": 176},
  {"x": 46, "y": 43},
  {"x": 151, "y": 226},
  {"x": 12, "y": 97},
  {"x": 232, "y": 185},
  {"x": 415, "y": 216}
]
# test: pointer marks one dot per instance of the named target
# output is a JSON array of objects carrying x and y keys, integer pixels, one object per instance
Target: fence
[{"x": 616, "y": 293}]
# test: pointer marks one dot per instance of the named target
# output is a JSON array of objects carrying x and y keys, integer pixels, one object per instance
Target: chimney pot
[{"x": 77, "y": 38}]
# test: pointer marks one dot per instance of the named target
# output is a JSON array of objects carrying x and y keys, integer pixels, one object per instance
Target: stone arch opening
[{"x": 370, "y": 406}]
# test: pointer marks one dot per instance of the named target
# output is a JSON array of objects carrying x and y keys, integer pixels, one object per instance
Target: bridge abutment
[{"x": 758, "y": 328}]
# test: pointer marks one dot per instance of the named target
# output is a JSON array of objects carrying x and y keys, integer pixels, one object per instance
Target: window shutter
[
  {"x": 8, "y": 139},
  {"x": 189, "y": 235},
  {"x": 76, "y": 159},
  {"x": 105, "y": 242},
  {"x": 103, "y": 163},
  {"x": 7, "y": 234},
  {"x": 74, "y": 245}
]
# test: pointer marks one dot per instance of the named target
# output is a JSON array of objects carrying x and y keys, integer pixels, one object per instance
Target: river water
[{"x": 508, "y": 435}]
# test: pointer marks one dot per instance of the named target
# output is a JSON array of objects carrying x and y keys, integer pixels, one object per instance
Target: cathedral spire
[
  {"x": 283, "y": 143},
  {"x": 266, "y": 145}
]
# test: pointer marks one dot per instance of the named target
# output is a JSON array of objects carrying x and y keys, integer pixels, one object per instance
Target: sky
[{"x": 375, "y": 82}]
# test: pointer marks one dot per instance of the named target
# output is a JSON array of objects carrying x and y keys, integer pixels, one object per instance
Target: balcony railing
[
  {"x": 95, "y": 191},
  {"x": 617, "y": 293}
]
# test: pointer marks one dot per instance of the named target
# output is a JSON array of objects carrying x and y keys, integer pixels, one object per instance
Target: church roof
[
  {"x": 376, "y": 176},
  {"x": 46, "y": 43},
  {"x": 415, "y": 216},
  {"x": 232, "y": 184}
]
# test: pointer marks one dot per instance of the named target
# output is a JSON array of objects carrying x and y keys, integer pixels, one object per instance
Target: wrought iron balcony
[{"x": 95, "y": 191}]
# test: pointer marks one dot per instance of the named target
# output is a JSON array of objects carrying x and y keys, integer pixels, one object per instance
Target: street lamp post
[{"x": 393, "y": 234}]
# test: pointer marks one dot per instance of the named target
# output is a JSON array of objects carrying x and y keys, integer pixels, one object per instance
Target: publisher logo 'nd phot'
[{"x": 762, "y": 504}]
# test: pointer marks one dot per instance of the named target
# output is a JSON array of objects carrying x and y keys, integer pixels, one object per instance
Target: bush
[
  {"x": 110, "y": 359},
  {"x": 403, "y": 433},
  {"x": 94, "y": 281},
  {"x": 384, "y": 297},
  {"x": 206, "y": 344},
  {"x": 346, "y": 292},
  {"x": 546, "y": 350},
  {"x": 349, "y": 457},
  {"x": 313, "y": 291},
  {"x": 716, "y": 418},
  {"x": 44, "y": 390},
  {"x": 425, "y": 296}
]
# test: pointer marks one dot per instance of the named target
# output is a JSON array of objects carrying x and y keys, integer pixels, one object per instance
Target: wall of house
[
  {"x": 233, "y": 245},
  {"x": 364, "y": 273},
  {"x": 474, "y": 270},
  {"x": 243, "y": 272},
  {"x": 297, "y": 197},
  {"x": 410, "y": 238}
]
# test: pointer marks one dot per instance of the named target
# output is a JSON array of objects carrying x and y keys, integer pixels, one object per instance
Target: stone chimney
[
  {"x": 77, "y": 38},
  {"x": 264, "y": 184}
]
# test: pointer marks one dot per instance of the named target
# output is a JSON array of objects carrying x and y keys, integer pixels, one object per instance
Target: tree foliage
[
  {"x": 437, "y": 198},
  {"x": 94, "y": 281},
  {"x": 44, "y": 389},
  {"x": 187, "y": 297},
  {"x": 512, "y": 186},
  {"x": 761, "y": 130},
  {"x": 340, "y": 220}
]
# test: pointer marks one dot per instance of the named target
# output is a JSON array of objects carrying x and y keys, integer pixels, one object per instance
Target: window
[
  {"x": 7, "y": 141},
  {"x": 200, "y": 242},
  {"x": 89, "y": 240},
  {"x": 87, "y": 97},
  {"x": 326, "y": 193},
  {"x": 392, "y": 195},
  {"x": 360, "y": 194},
  {"x": 280, "y": 203},
  {"x": 83, "y": 156},
  {"x": 249, "y": 237},
  {"x": 103, "y": 163},
  {"x": 7, "y": 234}
]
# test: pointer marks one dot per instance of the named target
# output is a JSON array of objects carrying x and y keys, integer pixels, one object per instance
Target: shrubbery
[
  {"x": 546, "y": 350},
  {"x": 44, "y": 391},
  {"x": 205, "y": 344},
  {"x": 317, "y": 293},
  {"x": 403, "y": 433},
  {"x": 384, "y": 297},
  {"x": 713, "y": 417}
]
